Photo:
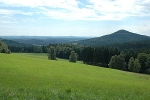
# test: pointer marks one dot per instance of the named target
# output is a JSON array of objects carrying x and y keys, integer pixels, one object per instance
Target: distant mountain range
[
  {"x": 121, "y": 36},
  {"x": 42, "y": 40},
  {"x": 121, "y": 39},
  {"x": 14, "y": 43}
]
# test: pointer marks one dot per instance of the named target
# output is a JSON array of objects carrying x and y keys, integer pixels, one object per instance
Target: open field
[{"x": 33, "y": 76}]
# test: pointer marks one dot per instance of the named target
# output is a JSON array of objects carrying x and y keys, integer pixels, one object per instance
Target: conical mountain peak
[{"x": 120, "y": 36}]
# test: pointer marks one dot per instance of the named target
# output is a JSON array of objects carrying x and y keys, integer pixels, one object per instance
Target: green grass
[
  {"x": 34, "y": 77},
  {"x": 44, "y": 56}
]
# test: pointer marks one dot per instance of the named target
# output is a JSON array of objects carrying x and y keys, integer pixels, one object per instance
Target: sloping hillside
[
  {"x": 143, "y": 45},
  {"x": 121, "y": 36},
  {"x": 29, "y": 77}
]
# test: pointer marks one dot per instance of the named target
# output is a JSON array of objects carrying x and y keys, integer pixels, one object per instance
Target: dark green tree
[
  {"x": 73, "y": 57},
  {"x": 148, "y": 65},
  {"x": 88, "y": 55},
  {"x": 142, "y": 57},
  {"x": 52, "y": 53},
  {"x": 38, "y": 49}
]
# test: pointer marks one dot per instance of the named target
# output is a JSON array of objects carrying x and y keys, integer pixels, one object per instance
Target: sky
[{"x": 73, "y": 17}]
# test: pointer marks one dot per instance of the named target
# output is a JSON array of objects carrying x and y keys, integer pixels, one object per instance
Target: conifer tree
[{"x": 142, "y": 57}]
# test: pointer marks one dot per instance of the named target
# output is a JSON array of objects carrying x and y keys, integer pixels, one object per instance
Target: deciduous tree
[
  {"x": 131, "y": 64},
  {"x": 117, "y": 62},
  {"x": 52, "y": 53},
  {"x": 3, "y": 47},
  {"x": 73, "y": 57},
  {"x": 137, "y": 66}
]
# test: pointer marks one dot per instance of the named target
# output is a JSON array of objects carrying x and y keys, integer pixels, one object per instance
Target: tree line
[
  {"x": 112, "y": 58},
  {"x": 52, "y": 55},
  {"x": 98, "y": 56},
  {"x": 129, "y": 60},
  {"x": 62, "y": 50}
]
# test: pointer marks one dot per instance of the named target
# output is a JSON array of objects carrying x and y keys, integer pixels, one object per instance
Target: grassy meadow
[{"x": 34, "y": 77}]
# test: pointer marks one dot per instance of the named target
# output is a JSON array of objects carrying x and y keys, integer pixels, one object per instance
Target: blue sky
[{"x": 73, "y": 17}]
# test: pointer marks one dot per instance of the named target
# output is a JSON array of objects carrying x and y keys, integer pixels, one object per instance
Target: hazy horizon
[{"x": 88, "y": 18}]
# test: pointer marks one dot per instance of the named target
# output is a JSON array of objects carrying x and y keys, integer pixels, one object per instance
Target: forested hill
[
  {"x": 14, "y": 43},
  {"x": 121, "y": 36}
]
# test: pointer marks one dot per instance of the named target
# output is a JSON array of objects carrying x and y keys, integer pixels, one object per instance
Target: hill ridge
[{"x": 120, "y": 36}]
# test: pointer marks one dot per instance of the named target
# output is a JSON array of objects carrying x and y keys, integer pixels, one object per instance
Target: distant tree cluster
[
  {"x": 63, "y": 50},
  {"x": 38, "y": 49},
  {"x": 144, "y": 60},
  {"x": 113, "y": 58},
  {"x": 52, "y": 55},
  {"x": 57, "y": 50},
  {"x": 29, "y": 49},
  {"x": 98, "y": 56},
  {"x": 118, "y": 62},
  {"x": 140, "y": 64}
]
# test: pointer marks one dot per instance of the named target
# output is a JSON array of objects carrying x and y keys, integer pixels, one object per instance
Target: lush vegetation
[
  {"x": 118, "y": 60},
  {"x": 62, "y": 50},
  {"x": 33, "y": 76},
  {"x": 98, "y": 56}
]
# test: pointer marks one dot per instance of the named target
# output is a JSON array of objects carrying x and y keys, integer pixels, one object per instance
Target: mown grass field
[{"x": 34, "y": 77}]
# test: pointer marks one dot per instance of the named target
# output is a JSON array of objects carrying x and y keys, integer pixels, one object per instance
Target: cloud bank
[{"x": 75, "y": 9}]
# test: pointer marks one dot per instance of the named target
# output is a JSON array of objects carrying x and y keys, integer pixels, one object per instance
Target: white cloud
[
  {"x": 13, "y": 12},
  {"x": 37, "y": 3},
  {"x": 93, "y": 10}
]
